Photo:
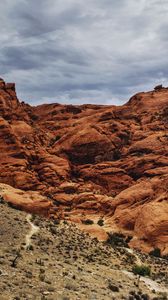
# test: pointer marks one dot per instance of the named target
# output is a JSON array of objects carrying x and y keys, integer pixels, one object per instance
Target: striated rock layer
[{"x": 90, "y": 162}]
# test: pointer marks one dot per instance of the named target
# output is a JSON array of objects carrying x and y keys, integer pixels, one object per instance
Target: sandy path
[{"x": 33, "y": 229}]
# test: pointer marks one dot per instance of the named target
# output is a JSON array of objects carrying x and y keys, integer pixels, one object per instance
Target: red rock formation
[
  {"x": 91, "y": 161},
  {"x": 29, "y": 201}
]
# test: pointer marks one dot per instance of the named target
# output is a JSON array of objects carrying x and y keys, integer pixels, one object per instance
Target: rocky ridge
[{"x": 90, "y": 162}]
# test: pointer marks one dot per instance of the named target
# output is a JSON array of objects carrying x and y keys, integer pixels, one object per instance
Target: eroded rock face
[{"x": 91, "y": 161}]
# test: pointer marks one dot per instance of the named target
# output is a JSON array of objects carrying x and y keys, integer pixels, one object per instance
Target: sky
[{"x": 83, "y": 51}]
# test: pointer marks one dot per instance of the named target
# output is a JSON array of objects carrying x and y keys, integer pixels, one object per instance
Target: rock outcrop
[{"x": 90, "y": 161}]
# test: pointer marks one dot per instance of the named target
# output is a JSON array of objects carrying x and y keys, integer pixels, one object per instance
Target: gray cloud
[{"x": 75, "y": 51}]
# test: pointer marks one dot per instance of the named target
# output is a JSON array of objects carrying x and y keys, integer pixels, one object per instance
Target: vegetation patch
[
  {"x": 116, "y": 239},
  {"x": 155, "y": 252},
  {"x": 142, "y": 270},
  {"x": 100, "y": 222},
  {"x": 88, "y": 222}
]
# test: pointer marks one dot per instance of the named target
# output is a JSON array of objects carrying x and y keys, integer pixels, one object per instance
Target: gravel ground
[{"x": 63, "y": 263}]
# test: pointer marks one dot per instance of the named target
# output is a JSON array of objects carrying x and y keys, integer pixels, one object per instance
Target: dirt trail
[
  {"x": 33, "y": 229},
  {"x": 131, "y": 251},
  {"x": 151, "y": 284}
]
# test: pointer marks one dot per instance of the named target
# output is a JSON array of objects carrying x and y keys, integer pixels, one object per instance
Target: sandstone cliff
[{"x": 90, "y": 162}]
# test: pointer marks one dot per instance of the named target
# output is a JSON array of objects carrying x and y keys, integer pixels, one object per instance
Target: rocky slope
[
  {"x": 90, "y": 162},
  {"x": 58, "y": 262}
]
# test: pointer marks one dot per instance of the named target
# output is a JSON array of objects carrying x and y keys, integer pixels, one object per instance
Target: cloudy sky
[{"x": 83, "y": 51}]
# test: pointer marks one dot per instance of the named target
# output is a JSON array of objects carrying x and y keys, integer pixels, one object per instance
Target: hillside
[
  {"x": 91, "y": 162},
  {"x": 46, "y": 260}
]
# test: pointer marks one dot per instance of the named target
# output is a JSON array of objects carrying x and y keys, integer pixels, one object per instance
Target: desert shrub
[
  {"x": 100, "y": 222},
  {"x": 53, "y": 230},
  {"x": 56, "y": 221},
  {"x": 33, "y": 217},
  {"x": 128, "y": 238},
  {"x": 116, "y": 239},
  {"x": 142, "y": 270},
  {"x": 87, "y": 222},
  {"x": 41, "y": 277},
  {"x": 12, "y": 205},
  {"x": 2, "y": 200},
  {"x": 155, "y": 252},
  {"x": 30, "y": 247},
  {"x": 165, "y": 257},
  {"x": 158, "y": 87}
]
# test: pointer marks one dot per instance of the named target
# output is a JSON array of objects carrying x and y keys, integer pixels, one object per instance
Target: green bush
[
  {"x": 87, "y": 222},
  {"x": 116, "y": 239},
  {"x": 142, "y": 270},
  {"x": 100, "y": 222},
  {"x": 155, "y": 252},
  {"x": 1, "y": 200}
]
